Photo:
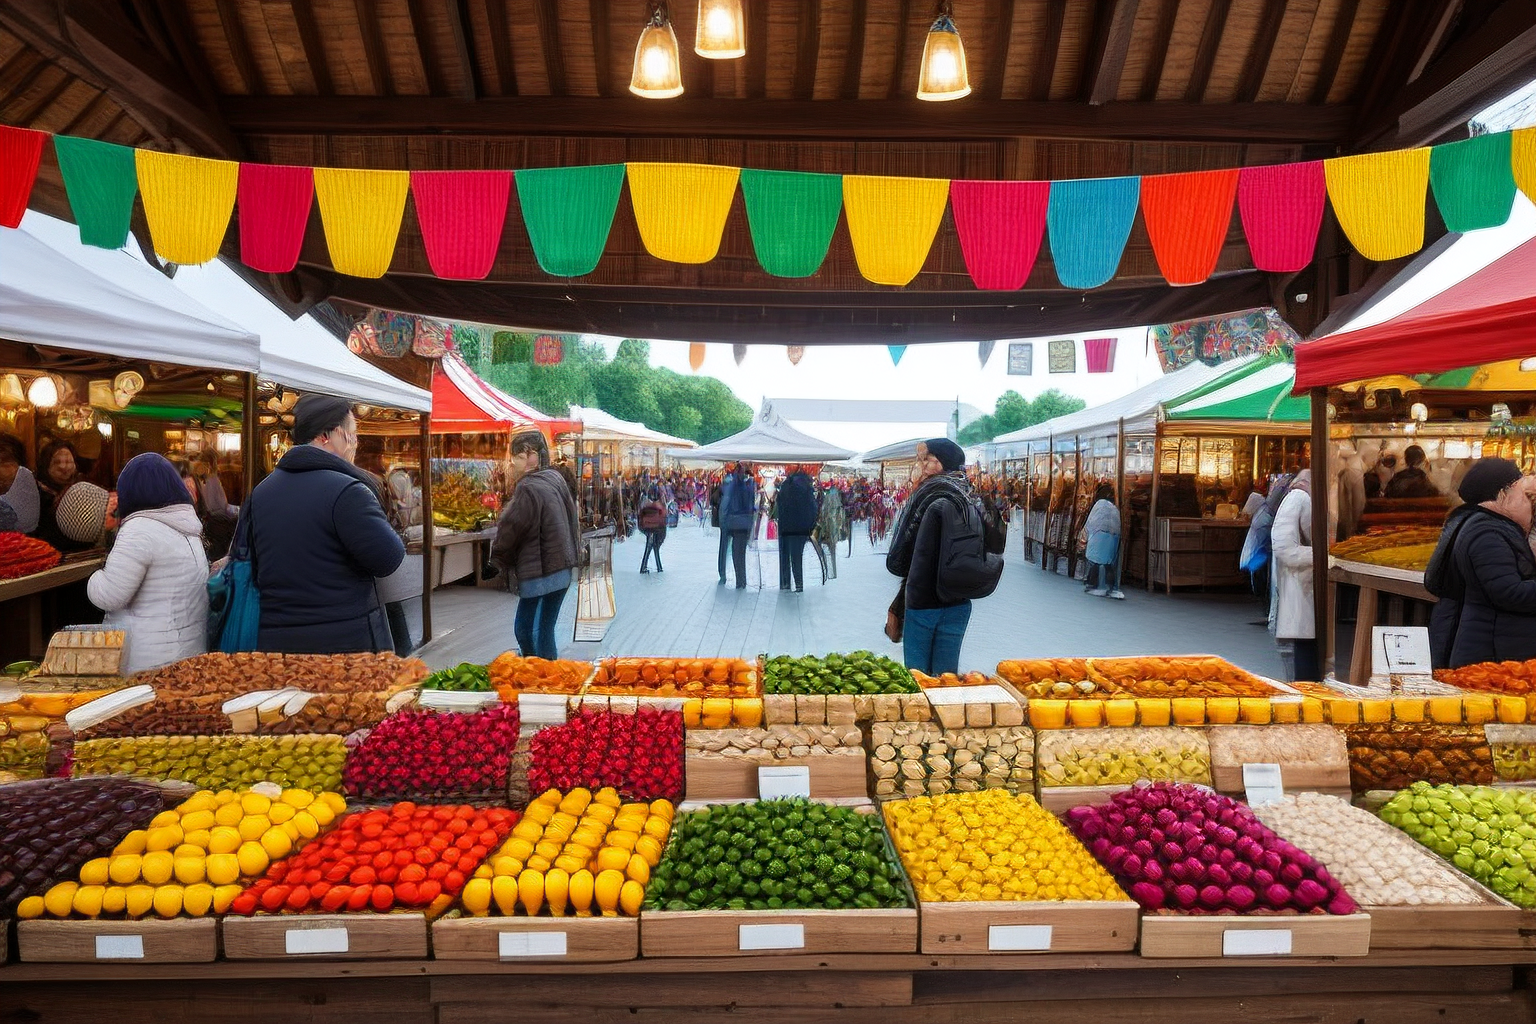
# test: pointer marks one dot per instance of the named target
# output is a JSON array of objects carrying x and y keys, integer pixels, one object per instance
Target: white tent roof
[
  {"x": 54, "y": 291},
  {"x": 768, "y": 439},
  {"x": 597, "y": 425}
]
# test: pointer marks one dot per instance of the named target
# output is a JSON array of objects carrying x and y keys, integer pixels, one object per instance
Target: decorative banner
[
  {"x": 1523, "y": 159},
  {"x": 548, "y": 350},
  {"x": 1000, "y": 224},
  {"x": 696, "y": 356},
  {"x": 383, "y": 333},
  {"x": 511, "y": 347},
  {"x": 892, "y": 222},
  {"x": 101, "y": 181},
  {"x": 274, "y": 209},
  {"x": 568, "y": 212},
  {"x": 1187, "y": 219},
  {"x": 1100, "y": 353},
  {"x": 1282, "y": 209},
  {"x": 740, "y": 352},
  {"x": 984, "y": 352},
  {"x": 461, "y": 214},
  {"x": 1061, "y": 356},
  {"x": 680, "y": 209},
  {"x": 187, "y": 202},
  {"x": 795, "y": 353},
  {"x": 1379, "y": 201},
  {"x": 1473, "y": 181},
  {"x": 20, "y": 151},
  {"x": 896, "y": 351},
  {"x": 361, "y": 212},
  {"x": 431, "y": 338},
  {"x": 1089, "y": 221},
  {"x": 1214, "y": 340},
  {"x": 792, "y": 216},
  {"x": 1021, "y": 358}
]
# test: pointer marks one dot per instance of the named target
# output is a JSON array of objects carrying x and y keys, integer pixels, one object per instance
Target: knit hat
[
  {"x": 315, "y": 414},
  {"x": 82, "y": 512},
  {"x": 149, "y": 481},
  {"x": 1486, "y": 479},
  {"x": 950, "y": 455}
]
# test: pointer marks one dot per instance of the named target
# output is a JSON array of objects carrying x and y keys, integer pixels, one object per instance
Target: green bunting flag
[
  {"x": 1473, "y": 181},
  {"x": 568, "y": 212},
  {"x": 792, "y": 215},
  {"x": 101, "y": 180}
]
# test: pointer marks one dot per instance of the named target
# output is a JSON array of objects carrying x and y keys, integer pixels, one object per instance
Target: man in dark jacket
[
  {"x": 319, "y": 539},
  {"x": 1412, "y": 481},
  {"x": 738, "y": 507},
  {"x": 797, "y": 518}
]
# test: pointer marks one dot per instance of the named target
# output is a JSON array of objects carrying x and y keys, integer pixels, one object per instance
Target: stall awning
[
  {"x": 1488, "y": 317},
  {"x": 464, "y": 403},
  {"x": 1255, "y": 394},
  {"x": 768, "y": 439},
  {"x": 597, "y": 425}
]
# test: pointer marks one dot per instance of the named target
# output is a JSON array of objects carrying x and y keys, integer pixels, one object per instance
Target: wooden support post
[
  {"x": 1320, "y": 595},
  {"x": 250, "y": 435},
  {"x": 426, "y": 527},
  {"x": 1157, "y": 479}
]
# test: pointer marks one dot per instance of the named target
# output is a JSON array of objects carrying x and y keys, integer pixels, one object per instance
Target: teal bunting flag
[
  {"x": 568, "y": 212},
  {"x": 1473, "y": 181},
  {"x": 896, "y": 351},
  {"x": 1089, "y": 221},
  {"x": 101, "y": 180},
  {"x": 792, "y": 215}
]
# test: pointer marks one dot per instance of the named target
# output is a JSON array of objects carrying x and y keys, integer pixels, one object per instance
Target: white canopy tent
[
  {"x": 597, "y": 425},
  {"x": 768, "y": 439}
]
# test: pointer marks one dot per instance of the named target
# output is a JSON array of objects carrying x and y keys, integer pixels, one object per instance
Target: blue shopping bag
[{"x": 234, "y": 602}]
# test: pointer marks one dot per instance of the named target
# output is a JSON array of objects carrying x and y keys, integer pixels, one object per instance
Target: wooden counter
[
  {"x": 1197, "y": 553},
  {"x": 22, "y": 602},
  {"x": 1373, "y": 581}
]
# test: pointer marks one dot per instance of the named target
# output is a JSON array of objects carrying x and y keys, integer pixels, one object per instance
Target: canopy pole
[
  {"x": 1050, "y": 491},
  {"x": 426, "y": 526},
  {"x": 1320, "y": 603},
  {"x": 1157, "y": 481},
  {"x": 250, "y": 417}
]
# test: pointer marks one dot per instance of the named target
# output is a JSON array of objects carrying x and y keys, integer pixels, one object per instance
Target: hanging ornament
[
  {"x": 896, "y": 351},
  {"x": 431, "y": 338},
  {"x": 126, "y": 386},
  {"x": 740, "y": 352},
  {"x": 796, "y": 353},
  {"x": 696, "y": 355},
  {"x": 984, "y": 352},
  {"x": 942, "y": 74}
]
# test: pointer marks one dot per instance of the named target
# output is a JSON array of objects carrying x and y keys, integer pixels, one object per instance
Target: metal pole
[
  {"x": 250, "y": 416},
  {"x": 426, "y": 527},
  {"x": 1320, "y": 603},
  {"x": 1157, "y": 481}
]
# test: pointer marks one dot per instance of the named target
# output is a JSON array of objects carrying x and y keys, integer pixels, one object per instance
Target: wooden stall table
[
  {"x": 459, "y": 555},
  {"x": 22, "y": 600},
  {"x": 1373, "y": 581}
]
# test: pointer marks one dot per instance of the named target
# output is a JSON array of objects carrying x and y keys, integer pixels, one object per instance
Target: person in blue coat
[
  {"x": 797, "y": 518},
  {"x": 738, "y": 507}
]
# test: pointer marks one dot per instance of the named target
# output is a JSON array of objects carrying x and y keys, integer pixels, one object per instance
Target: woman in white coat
[
  {"x": 154, "y": 585},
  {"x": 1291, "y": 536}
]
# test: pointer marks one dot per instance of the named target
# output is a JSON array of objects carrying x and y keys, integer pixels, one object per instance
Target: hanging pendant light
[
  {"x": 721, "y": 32},
  {"x": 943, "y": 75},
  {"x": 43, "y": 392},
  {"x": 658, "y": 72}
]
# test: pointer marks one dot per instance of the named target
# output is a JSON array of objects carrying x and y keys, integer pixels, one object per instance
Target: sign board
[
  {"x": 1021, "y": 358},
  {"x": 1062, "y": 356},
  {"x": 776, "y": 782},
  {"x": 1262, "y": 785},
  {"x": 1400, "y": 652}
]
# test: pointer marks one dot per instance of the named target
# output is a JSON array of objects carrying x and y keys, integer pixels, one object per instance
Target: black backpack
[{"x": 970, "y": 558}]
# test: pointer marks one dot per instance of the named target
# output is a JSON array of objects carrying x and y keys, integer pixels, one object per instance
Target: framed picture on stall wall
[
  {"x": 1021, "y": 359},
  {"x": 1062, "y": 356}
]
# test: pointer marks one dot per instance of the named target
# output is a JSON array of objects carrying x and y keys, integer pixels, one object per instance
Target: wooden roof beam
[
  {"x": 313, "y": 46},
  {"x": 464, "y": 48},
  {"x": 1162, "y": 35},
  {"x": 1205, "y": 56},
  {"x": 602, "y": 45},
  {"x": 240, "y": 46},
  {"x": 853, "y": 66},
  {"x": 1000, "y": 25},
  {"x": 1114, "y": 25},
  {"x": 1045, "y": 63},
  {"x": 373, "y": 48},
  {"x": 1333, "y": 56},
  {"x": 422, "y": 27},
  {"x": 690, "y": 117},
  {"x": 757, "y": 50},
  {"x": 1262, "y": 51},
  {"x": 807, "y": 49},
  {"x": 548, "y": 17}
]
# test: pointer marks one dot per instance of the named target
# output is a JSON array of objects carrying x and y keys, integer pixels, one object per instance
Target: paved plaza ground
[{"x": 683, "y": 612}]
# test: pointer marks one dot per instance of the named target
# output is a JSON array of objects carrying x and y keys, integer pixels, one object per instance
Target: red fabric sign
[
  {"x": 1282, "y": 208},
  {"x": 548, "y": 350},
  {"x": 461, "y": 214},
  {"x": 20, "y": 151}
]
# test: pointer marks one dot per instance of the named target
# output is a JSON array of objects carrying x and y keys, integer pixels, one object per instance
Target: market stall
[{"x": 621, "y": 446}]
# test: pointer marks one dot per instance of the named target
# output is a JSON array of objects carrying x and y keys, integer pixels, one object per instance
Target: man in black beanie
[{"x": 319, "y": 539}]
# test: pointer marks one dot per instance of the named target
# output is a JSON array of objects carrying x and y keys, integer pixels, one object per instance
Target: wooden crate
[
  {"x": 1077, "y": 926},
  {"x": 326, "y": 937},
  {"x": 151, "y": 941},
  {"x": 1060, "y": 799},
  {"x": 545, "y": 939},
  {"x": 1492, "y": 924},
  {"x": 704, "y": 933},
  {"x": 728, "y": 778},
  {"x": 1293, "y": 777},
  {"x": 1240, "y": 938}
]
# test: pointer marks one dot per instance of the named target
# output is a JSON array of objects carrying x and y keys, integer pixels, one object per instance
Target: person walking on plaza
[
  {"x": 738, "y": 507},
  {"x": 652, "y": 520},
  {"x": 1291, "y": 536},
  {"x": 1101, "y": 532},
  {"x": 797, "y": 518},
  {"x": 831, "y": 522},
  {"x": 537, "y": 545},
  {"x": 318, "y": 539}
]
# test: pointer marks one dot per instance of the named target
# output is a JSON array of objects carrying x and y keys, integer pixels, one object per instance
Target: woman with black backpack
[{"x": 652, "y": 520}]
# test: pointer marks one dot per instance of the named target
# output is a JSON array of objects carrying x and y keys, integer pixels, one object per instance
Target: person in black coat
[
  {"x": 319, "y": 540},
  {"x": 797, "y": 518},
  {"x": 932, "y": 630},
  {"x": 1483, "y": 571}
]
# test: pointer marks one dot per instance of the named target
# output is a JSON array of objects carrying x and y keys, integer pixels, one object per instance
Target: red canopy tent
[
  {"x": 463, "y": 403},
  {"x": 1487, "y": 317}
]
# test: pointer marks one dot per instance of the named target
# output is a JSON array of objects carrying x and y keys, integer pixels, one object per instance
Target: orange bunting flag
[
  {"x": 361, "y": 213},
  {"x": 187, "y": 202},
  {"x": 1379, "y": 200},
  {"x": 696, "y": 355},
  {"x": 1187, "y": 219}
]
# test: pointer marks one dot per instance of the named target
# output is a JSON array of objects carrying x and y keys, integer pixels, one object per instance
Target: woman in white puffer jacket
[{"x": 154, "y": 585}]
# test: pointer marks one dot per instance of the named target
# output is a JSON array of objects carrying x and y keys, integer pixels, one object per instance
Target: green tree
[{"x": 1014, "y": 412}]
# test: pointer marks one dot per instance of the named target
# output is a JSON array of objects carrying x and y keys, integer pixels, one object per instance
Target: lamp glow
[
  {"x": 104, "y": 428},
  {"x": 943, "y": 75},
  {"x": 658, "y": 71},
  {"x": 721, "y": 32},
  {"x": 43, "y": 393},
  {"x": 1419, "y": 411}
]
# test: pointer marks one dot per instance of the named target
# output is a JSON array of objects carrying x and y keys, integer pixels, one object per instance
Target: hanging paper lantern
[
  {"x": 740, "y": 352},
  {"x": 696, "y": 356},
  {"x": 548, "y": 350},
  {"x": 896, "y": 351},
  {"x": 796, "y": 353}
]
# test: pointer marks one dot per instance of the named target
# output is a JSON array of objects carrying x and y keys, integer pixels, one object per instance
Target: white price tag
[
  {"x": 542, "y": 708},
  {"x": 989, "y": 694},
  {"x": 119, "y": 947},
  {"x": 1262, "y": 785},
  {"x": 775, "y": 782},
  {"x": 521, "y": 944},
  {"x": 771, "y": 936},
  {"x": 300, "y": 941},
  {"x": 1026, "y": 938},
  {"x": 1400, "y": 651},
  {"x": 1258, "y": 942}
]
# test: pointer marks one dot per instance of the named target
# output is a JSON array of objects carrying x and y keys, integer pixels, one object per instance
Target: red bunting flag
[
  {"x": 274, "y": 202},
  {"x": 20, "y": 151},
  {"x": 461, "y": 214},
  {"x": 1187, "y": 218},
  {"x": 1101, "y": 354},
  {"x": 548, "y": 350},
  {"x": 1282, "y": 207},
  {"x": 1000, "y": 224}
]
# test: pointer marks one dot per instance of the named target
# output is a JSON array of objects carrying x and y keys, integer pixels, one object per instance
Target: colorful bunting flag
[
  {"x": 187, "y": 202},
  {"x": 795, "y": 353},
  {"x": 896, "y": 351},
  {"x": 274, "y": 203},
  {"x": 461, "y": 214},
  {"x": 792, "y": 216},
  {"x": 568, "y": 212},
  {"x": 20, "y": 151},
  {"x": 1474, "y": 181},
  {"x": 361, "y": 213},
  {"x": 1089, "y": 221},
  {"x": 740, "y": 352},
  {"x": 696, "y": 356},
  {"x": 1523, "y": 160},
  {"x": 892, "y": 222},
  {"x": 548, "y": 350},
  {"x": 1379, "y": 200},
  {"x": 1100, "y": 353},
  {"x": 101, "y": 181},
  {"x": 984, "y": 352},
  {"x": 1187, "y": 219},
  {"x": 1281, "y": 209},
  {"x": 680, "y": 209},
  {"x": 1000, "y": 224}
]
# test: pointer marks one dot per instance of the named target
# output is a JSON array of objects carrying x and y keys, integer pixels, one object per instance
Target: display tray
[
  {"x": 730, "y": 778},
  {"x": 326, "y": 937},
  {"x": 695, "y": 933},
  {"x": 1168, "y": 936},
  {"x": 1492, "y": 924},
  {"x": 1077, "y": 926},
  {"x": 1060, "y": 799},
  {"x": 1293, "y": 778},
  {"x": 525, "y": 939},
  {"x": 150, "y": 941}
]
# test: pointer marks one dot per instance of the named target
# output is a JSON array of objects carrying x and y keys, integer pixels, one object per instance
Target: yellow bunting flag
[
  {"x": 1523, "y": 155},
  {"x": 187, "y": 202},
  {"x": 681, "y": 208},
  {"x": 1379, "y": 200},
  {"x": 892, "y": 222},
  {"x": 361, "y": 211}
]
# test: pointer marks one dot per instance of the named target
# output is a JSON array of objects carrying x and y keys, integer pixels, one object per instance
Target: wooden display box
[
  {"x": 730, "y": 778},
  {"x": 1061, "y": 799},
  {"x": 150, "y": 941},
  {"x": 705, "y": 933},
  {"x": 1077, "y": 926},
  {"x": 1493, "y": 924},
  {"x": 568, "y": 940},
  {"x": 1293, "y": 777},
  {"x": 326, "y": 937},
  {"x": 1168, "y": 936}
]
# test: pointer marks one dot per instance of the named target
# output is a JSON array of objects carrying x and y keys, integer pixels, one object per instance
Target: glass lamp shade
[
  {"x": 10, "y": 390},
  {"x": 43, "y": 392},
  {"x": 943, "y": 75},
  {"x": 721, "y": 32},
  {"x": 658, "y": 73}
]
